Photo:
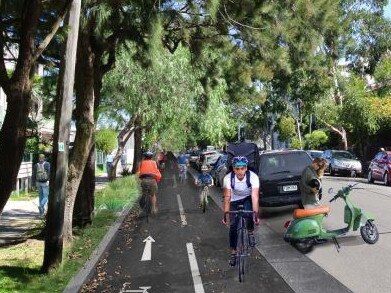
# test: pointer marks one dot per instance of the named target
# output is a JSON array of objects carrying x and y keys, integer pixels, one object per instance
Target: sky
[{"x": 387, "y": 10}]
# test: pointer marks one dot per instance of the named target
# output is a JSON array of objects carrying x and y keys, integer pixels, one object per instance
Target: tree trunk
[
  {"x": 85, "y": 126},
  {"x": 13, "y": 140},
  {"x": 137, "y": 145},
  {"x": 55, "y": 216},
  {"x": 18, "y": 91},
  {"x": 85, "y": 199},
  {"x": 122, "y": 139}
]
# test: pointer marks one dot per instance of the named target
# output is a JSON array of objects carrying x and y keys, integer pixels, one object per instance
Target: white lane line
[
  {"x": 198, "y": 287},
  {"x": 181, "y": 210}
]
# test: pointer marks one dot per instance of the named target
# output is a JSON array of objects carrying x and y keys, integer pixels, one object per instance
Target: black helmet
[{"x": 148, "y": 155}]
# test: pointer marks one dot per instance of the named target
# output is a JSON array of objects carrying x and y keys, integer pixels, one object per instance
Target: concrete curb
[
  {"x": 297, "y": 270},
  {"x": 85, "y": 273}
]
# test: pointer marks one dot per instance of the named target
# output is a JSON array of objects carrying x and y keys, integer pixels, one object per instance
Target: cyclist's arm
[{"x": 227, "y": 199}]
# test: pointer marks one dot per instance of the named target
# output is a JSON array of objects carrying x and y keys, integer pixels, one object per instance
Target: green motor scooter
[{"x": 306, "y": 229}]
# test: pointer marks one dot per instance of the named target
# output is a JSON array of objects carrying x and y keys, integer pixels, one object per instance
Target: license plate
[{"x": 289, "y": 188}]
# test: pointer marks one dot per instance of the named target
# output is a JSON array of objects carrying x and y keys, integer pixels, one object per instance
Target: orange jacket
[{"x": 149, "y": 167}]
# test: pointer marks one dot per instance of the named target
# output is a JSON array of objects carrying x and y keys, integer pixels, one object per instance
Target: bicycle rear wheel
[{"x": 147, "y": 202}]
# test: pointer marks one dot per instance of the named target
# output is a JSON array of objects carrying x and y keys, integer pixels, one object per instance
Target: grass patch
[
  {"x": 20, "y": 264},
  {"x": 23, "y": 196}
]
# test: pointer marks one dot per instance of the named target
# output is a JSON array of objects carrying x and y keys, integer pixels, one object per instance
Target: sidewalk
[
  {"x": 17, "y": 219},
  {"x": 20, "y": 217}
]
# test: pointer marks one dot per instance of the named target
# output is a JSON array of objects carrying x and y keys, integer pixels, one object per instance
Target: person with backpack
[
  {"x": 40, "y": 178},
  {"x": 240, "y": 187}
]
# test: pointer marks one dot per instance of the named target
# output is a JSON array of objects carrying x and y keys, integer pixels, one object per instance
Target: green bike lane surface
[{"x": 171, "y": 268}]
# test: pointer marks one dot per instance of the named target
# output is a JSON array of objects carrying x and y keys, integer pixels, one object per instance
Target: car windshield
[
  {"x": 342, "y": 155},
  {"x": 285, "y": 163}
]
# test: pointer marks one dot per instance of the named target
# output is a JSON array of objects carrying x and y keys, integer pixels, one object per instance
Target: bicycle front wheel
[
  {"x": 242, "y": 251},
  {"x": 204, "y": 195}
]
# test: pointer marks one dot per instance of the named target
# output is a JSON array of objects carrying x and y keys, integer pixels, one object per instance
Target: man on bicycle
[
  {"x": 204, "y": 179},
  {"x": 182, "y": 164},
  {"x": 150, "y": 175},
  {"x": 240, "y": 188}
]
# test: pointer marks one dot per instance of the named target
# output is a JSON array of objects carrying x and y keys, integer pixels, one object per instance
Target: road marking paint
[
  {"x": 198, "y": 287},
  {"x": 181, "y": 210},
  {"x": 143, "y": 289},
  {"x": 147, "y": 253}
]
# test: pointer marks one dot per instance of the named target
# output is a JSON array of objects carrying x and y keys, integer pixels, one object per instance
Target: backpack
[
  {"x": 42, "y": 175},
  {"x": 250, "y": 151}
]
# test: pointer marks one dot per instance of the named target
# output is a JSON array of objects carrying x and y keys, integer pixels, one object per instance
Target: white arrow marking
[
  {"x": 141, "y": 290},
  {"x": 181, "y": 210},
  {"x": 147, "y": 248}
]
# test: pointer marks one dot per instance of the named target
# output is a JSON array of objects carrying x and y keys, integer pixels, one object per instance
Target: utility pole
[{"x": 58, "y": 177}]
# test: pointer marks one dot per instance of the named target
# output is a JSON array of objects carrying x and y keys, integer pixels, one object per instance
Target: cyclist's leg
[
  {"x": 185, "y": 172},
  {"x": 250, "y": 222},
  {"x": 154, "y": 196},
  {"x": 233, "y": 234}
]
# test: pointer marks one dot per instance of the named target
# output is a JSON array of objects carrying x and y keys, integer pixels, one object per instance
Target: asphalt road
[{"x": 188, "y": 253}]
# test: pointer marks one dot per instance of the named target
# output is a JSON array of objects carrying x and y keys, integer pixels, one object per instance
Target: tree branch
[{"x": 53, "y": 30}]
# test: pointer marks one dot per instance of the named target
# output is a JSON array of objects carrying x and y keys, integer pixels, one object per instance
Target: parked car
[
  {"x": 380, "y": 168},
  {"x": 315, "y": 154},
  {"x": 206, "y": 158},
  {"x": 193, "y": 157},
  {"x": 280, "y": 175},
  {"x": 342, "y": 162},
  {"x": 214, "y": 172}
]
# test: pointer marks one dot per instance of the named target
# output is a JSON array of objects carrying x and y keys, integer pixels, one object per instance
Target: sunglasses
[{"x": 239, "y": 168}]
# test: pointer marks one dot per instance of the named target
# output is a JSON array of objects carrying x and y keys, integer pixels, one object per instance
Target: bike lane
[{"x": 189, "y": 252}]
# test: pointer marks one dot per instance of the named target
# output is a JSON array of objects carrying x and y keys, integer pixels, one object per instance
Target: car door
[
  {"x": 382, "y": 165},
  {"x": 376, "y": 168}
]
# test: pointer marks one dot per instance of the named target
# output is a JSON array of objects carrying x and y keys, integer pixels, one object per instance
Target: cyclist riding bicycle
[
  {"x": 238, "y": 190},
  {"x": 204, "y": 179},
  {"x": 150, "y": 175},
  {"x": 182, "y": 164}
]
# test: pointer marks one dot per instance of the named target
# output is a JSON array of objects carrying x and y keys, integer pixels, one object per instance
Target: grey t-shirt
[{"x": 307, "y": 196}]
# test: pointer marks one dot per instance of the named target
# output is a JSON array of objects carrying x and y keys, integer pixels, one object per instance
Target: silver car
[{"x": 342, "y": 162}]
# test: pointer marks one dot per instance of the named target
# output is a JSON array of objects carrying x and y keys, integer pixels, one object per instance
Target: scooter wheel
[
  {"x": 303, "y": 247},
  {"x": 369, "y": 232}
]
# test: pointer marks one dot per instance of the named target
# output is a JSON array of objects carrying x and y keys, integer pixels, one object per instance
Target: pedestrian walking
[
  {"x": 40, "y": 178},
  {"x": 109, "y": 163}
]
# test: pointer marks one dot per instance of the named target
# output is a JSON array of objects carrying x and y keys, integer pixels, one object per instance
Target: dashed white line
[
  {"x": 198, "y": 287},
  {"x": 181, "y": 210}
]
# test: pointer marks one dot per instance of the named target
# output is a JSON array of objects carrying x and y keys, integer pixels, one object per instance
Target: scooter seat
[{"x": 302, "y": 213}]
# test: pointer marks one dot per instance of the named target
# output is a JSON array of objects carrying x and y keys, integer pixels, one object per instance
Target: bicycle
[
  {"x": 242, "y": 245},
  {"x": 204, "y": 197},
  {"x": 182, "y": 173},
  {"x": 145, "y": 201}
]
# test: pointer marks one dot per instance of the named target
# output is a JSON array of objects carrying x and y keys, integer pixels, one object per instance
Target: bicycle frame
[
  {"x": 242, "y": 245},
  {"x": 204, "y": 195}
]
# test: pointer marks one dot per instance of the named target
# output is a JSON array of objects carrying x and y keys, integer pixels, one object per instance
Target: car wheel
[
  {"x": 370, "y": 178},
  {"x": 331, "y": 171},
  {"x": 386, "y": 179}
]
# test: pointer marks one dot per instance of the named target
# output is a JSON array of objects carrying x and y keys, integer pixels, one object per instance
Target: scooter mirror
[{"x": 331, "y": 190}]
